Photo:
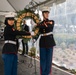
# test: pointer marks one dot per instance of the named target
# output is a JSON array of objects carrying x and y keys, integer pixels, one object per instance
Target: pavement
[{"x": 26, "y": 66}]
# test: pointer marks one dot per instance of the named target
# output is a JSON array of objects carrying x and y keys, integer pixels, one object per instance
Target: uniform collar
[
  {"x": 10, "y": 26},
  {"x": 45, "y": 19}
]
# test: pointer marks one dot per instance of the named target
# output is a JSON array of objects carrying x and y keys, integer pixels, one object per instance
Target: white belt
[
  {"x": 47, "y": 34},
  {"x": 9, "y": 41}
]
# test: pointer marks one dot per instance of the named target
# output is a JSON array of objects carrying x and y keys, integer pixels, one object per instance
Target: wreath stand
[{"x": 27, "y": 13}]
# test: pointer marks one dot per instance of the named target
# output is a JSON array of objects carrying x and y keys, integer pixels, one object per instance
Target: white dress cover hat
[
  {"x": 10, "y": 14},
  {"x": 45, "y": 9}
]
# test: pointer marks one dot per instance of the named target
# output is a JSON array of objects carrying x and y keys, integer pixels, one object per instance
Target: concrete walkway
[{"x": 26, "y": 67}]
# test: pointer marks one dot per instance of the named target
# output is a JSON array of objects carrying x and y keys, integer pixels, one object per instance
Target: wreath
[{"x": 26, "y": 13}]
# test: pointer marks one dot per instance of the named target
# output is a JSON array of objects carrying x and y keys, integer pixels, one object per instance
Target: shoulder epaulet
[
  {"x": 52, "y": 20},
  {"x": 40, "y": 23}
]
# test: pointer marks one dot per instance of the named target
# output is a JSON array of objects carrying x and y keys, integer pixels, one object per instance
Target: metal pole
[
  {"x": 35, "y": 73},
  {"x": 35, "y": 64}
]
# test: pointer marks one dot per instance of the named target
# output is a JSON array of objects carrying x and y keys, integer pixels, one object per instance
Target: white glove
[{"x": 32, "y": 33}]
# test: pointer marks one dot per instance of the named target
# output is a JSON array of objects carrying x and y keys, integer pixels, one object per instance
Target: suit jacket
[{"x": 25, "y": 28}]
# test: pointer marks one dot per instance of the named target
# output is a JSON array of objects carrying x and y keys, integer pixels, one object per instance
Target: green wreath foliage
[
  {"x": 27, "y": 11},
  {"x": 19, "y": 13}
]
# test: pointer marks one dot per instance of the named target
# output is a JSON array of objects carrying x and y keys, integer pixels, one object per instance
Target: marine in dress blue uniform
[
  {"x": 46, "y": 42},
  {"x": 9, "y": 51}
]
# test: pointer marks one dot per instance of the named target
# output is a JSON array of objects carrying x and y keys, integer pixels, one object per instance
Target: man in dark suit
[{"x": 25, "y": 28}]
